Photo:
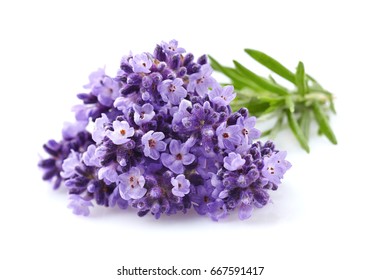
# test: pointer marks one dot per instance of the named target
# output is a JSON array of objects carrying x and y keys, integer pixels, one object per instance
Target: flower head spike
[{"x": 163, "y": 139}]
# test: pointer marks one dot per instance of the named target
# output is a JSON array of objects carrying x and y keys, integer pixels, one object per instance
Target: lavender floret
[{"x": 161, "y": 137}]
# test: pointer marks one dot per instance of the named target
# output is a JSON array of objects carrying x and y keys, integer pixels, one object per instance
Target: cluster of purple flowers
[{"x": 163, "y": 139}]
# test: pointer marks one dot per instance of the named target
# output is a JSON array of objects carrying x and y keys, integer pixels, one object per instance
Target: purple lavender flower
[
  {"x": 217, "y": 210},
  {"x": 106, "y": 91},
  {"x": 181, "y": 113},
  {"x": 260, "y": 197},
  {"x": 58, "y": 152},
  {"x": 141, "y": 63},
  {"x": 201, "y": 81},
  {"x": 181, "y": 185},
  {"x": 233, "y": 162},
  {"x": 167, "y": 98},
  {"x": 247, "y": 128},
  {"x": 222, "y": 96},
  {"x": 201, "y": 118},
  {"x": 90, "y": 158},
  {"x": 69, "y": 164},
  {"x": 131, "y": 184},
  {"x": 116, "y": 199},
  {"x": 246, "y": 207},
  {"x": 143, "y": 114},
  {"x": 178, "y": 157},
  {"x": 201, "y": 197},
  {"x": 95, "y": 78},
  {"x": 100, "y": 129},
  {"x": 79, "y": 205},
  {"x": 125, "y": 103},
  {"x": 228, "y": 136},
  {"x": 172, "y": 90},
  {"x": 108, "y": 174},
  {"x": 275, "y": 167},
  {"x": 122, "y": 132},
  {"x": 172, "y": 47},
  {"x": 70, "y": 130},
  {"x": 153, "y": 144}
]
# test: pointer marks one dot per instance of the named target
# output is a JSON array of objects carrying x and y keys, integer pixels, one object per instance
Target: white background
[{"x": 323, "y": 223}]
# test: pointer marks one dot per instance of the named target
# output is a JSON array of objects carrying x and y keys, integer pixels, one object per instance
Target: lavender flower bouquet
[{"x": 163, "y": 139}]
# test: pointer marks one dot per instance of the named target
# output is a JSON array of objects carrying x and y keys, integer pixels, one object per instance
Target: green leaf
[
  {"x": 332, "y": 106},
  {"x": 266, "y": 133},
  {"x": 272, "y": 79},
  {"x": 331, "y": 100},
  {"x": 301, "y": 79},
  {"x": 323, "y": 123},
  {"x": 271, "y": 64},
  {"x": 262, "y": 95},
  {"x": 237, "y": 79},
  {"x": 297, "y": 131},
  {"x": 290, "y": 103},
  {"x": 313, "y": 80},
  {"x": 260, "y": 81},
  {"x": 255, "y": 106},
  {"x": 226, "y": 71},
  {"x": 305, "y": 121},
  {"x": 277, "y": 126}
]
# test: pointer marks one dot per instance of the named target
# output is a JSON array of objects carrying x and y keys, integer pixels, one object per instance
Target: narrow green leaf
[
  {"x": 226, "y": 71},
  {"x": 297, "y": 131},
  {"x": 238, "y": 80},
  {"x": 266, "y": 133},
  {"x": 277, "y": 126},
  {"x": 272, "y": 79},
  {"x": 313, "y": 80},
  {"x": 271, "y": 108},
  {"x": 323, "y": 123},
  {"x": 332, "y": 106},
  {"x": 301, "y": 79},
  {"x": 271, "y": 64},
  {"x": 305, "y": 121},
  {"x": 260, "y": 81},
  {"x": 262, "y": 95},
  {"x": 331, "y": 100},
  {"x": 255, "y": 106},
  {"x": 215, "y": 64},
  {"x": 289, "y": 103}
]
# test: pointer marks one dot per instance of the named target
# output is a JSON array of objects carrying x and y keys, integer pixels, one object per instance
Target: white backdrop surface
[{"x": 323, "y": 222}]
